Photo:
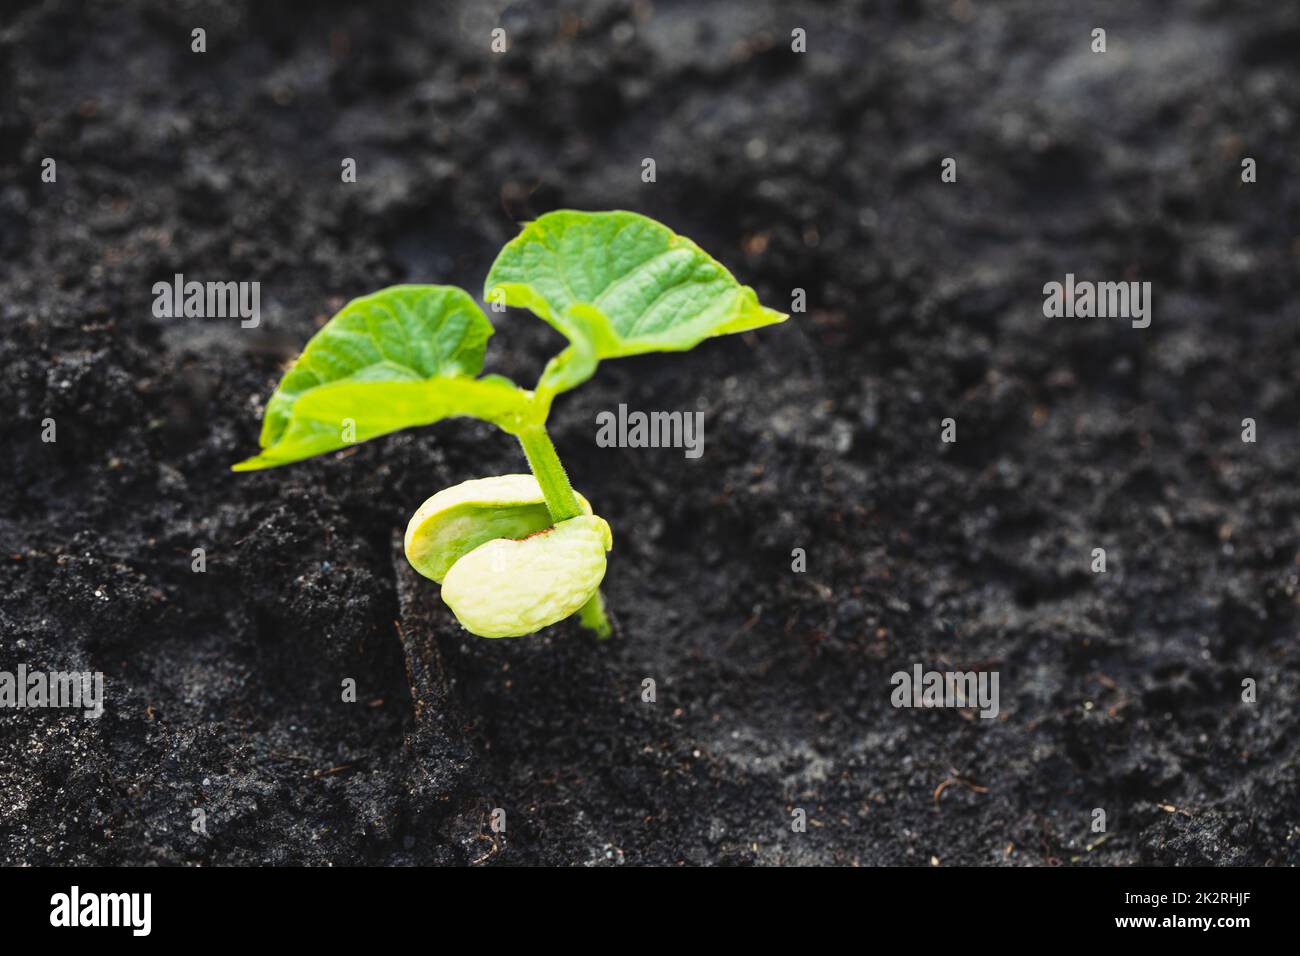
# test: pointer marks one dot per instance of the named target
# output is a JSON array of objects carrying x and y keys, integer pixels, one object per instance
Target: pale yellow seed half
[{"x": 508, "y": 588}]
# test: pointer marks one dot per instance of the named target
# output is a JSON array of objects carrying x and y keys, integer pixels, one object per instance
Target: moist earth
[{"x": 817, "y": 171}]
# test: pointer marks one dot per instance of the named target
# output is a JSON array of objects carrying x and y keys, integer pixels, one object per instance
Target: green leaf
[
  {"x": 320, "y": 418},
  {"x": 402, "y": 357},
  {"x": 618, "y": 283},
  {"x": 402, "y": 332}
]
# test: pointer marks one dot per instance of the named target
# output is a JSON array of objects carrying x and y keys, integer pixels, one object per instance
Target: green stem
[
  {"x": 562, "y": 503},
  {"x": 545, "y": 463},
  {"x": 592, "y": 615}
]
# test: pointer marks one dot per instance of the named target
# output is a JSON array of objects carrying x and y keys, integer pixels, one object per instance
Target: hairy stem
[{"x": 545, "y": 463}]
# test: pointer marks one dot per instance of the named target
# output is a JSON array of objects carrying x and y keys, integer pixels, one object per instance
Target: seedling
[{"x": 514, "y": 553}]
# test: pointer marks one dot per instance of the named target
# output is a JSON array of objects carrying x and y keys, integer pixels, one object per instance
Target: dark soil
[{"x": 1119, "y": 691}]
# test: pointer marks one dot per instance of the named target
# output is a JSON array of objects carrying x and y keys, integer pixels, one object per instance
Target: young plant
[{"x": 514, "y": 553}]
